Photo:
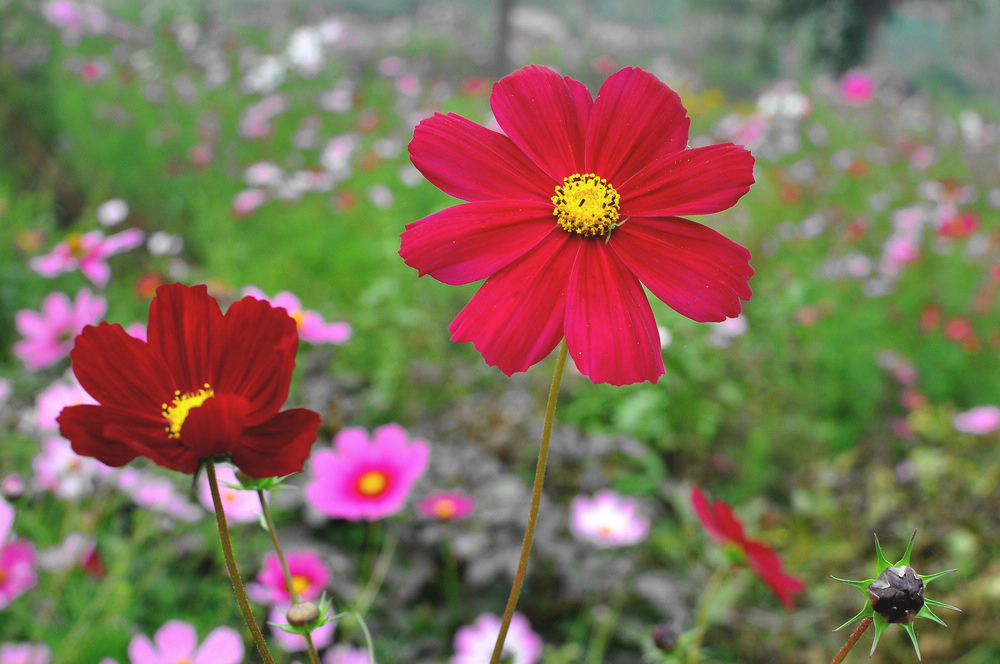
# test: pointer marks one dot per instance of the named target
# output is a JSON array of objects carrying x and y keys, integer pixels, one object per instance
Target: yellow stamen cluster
[
  {"x": 586, "y": 205},
  {"x": 444, "y": 509},
  {"x": 74, "y": 242},
  {"x": 372, "y": 483},
  {"x": 177, "y": 411},
  {"x": 300, "y": 584}
]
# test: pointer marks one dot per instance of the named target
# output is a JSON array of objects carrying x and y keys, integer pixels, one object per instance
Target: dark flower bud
[
  {"x": 898, "y": 594},
  {"x": 665, "y": 636},
  {"x": 302, "y": 614}
]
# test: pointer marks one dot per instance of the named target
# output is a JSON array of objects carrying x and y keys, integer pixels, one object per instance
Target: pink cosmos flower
[
  {"x": 570, "y": 212},
  {"x": 608, "y": 520},
  {"x": 857, "y": 88},
  {"x": 449, "y": 506},
  {"x": 48, "y": 334},
  {"x": 177, "y": 642},
  {"x": 88, "y": 253},
  {"x": 309, "y": 577},
  {"x": 158, "y": 494},
  {"x": 64, "y": 472},
  {"x": 312, "y": 327},
  {"x": 54, "y": 398},
  {"x": 17, "y": 559},
  {"x": 365, "y": 478},
  {"x": 289, "y": 642},
  {"x": 345, "y": 654},
  {"x": 248, "y": 200},
  {"x": 980, "y": 420},
  {"x": 25, "y": 653},
  {"x": 239, "y": 505},
  {"x": 474, "y": 643}
]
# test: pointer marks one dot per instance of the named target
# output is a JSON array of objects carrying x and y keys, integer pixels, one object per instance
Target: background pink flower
[
  {"x": 474, "y": 643},
  {"x": 47, "y": 335},
  {"x": 309, "y": 577},
  {"x": 979, "y": 420},
  {"x": 312, "y": 327},
  {"x": 447, "y": 506},
  {"x": 177, "y": 641},
  {"x": 857, "y": 88},
  {"x": 88, "y": 253},
  {"x": 239, "y": 505},
  {"x": 345, "y": 654},
  {"x": 17, "y": 559},
  {"x": 25, "y": 653},
  {"x": 54, "y": 398},
  {"x": 365, "y": 478},
  {"x": 608, "y": 520}
]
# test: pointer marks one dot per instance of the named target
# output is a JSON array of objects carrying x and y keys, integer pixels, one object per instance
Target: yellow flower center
[
  {"x": 184, "y": 660},
  {"x": 74, "y": 242},
  {"x": 300, "y": 584},
  {"x": 586, "y": 205},
  {"x": 298, "y": 316},
  {"x": 372, "y": 483},
  {"x": 177, "y": 411},
  {"x": 444, "y": 509}
]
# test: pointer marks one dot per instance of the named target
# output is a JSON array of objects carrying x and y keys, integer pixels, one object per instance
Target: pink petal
[
  {"x": 696, "y": 271},
  {"x": 473, "y": 241},
  {"x": 120, "y": 242},
  {"x": 471, "y": 162},
  {"x": 636, "y": 119},
  {"x": 52, "y": 264},
  {"x": 222, "y": 646},
  {"x": 176, "y": 640},
  {"x": 141, "y": 651},
  {"x": 546, "y": 116},
  {"x": 97, "y": 270},
  {"x": 697, "y": 181},
  {"x": 315, "y": 330},
  {"x": 516, "y": 318},
  {"x": 610, "y": 329}
]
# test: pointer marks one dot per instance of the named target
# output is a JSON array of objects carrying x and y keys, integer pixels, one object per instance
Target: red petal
[
  {"x": 216, "y": 427},
  {"x": 610, "y": 330},
  {"x": 473, "y": 163},
  {"x": 183, "y": 324},
  {"x": 256, "y": 355},
  {"x": 546, "y": 116},
  {"x": 120, "y": 370},
  {"x": 696, "y": 271},
  {"x": 768, "y": 566},
  {"x": 473, "y": 241},
  {"x": 636, "y": 119},
  {"x": 279, "y": 446},
  {"x": 697, "y": 181},
  {"x": 83, "y": 426},
  {"x": 516, "y": 318}
]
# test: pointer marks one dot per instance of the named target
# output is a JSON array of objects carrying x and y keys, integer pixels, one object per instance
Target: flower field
[{"x": 273, "y": 240}]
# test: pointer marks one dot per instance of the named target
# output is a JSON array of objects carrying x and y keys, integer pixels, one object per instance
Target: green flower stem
[
  {"x": 701, "y": 615},
  {"x": 234, "y": 572},
  {"x": 606, "y": 624},
  {"x": 862, "y": 626},
  {"x": 380, "y": 570},
  {"x": 536, "y": 499},
  {"x": 294, "y": 596}
]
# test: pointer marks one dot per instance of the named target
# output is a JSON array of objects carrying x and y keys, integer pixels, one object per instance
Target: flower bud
[
  {"x": 13, "y": 487},
  {"x": 302, "y": 614},
  {"x": 665, "y": 637},
  {"x": 898, "y": 594}
]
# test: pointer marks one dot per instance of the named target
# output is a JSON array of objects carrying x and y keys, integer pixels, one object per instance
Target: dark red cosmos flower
[
  {"x": 570, "y": 212},
  {"x": 206, "y": 385},
  {"x": 721, "y": 524}
]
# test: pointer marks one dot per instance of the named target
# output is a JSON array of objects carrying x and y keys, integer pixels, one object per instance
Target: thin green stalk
[
  {"x": 234, "y": 572},
  {"x": 862, "y": 626},
  {"x": 380, "y": 570},
  {"x": 536, "y": 499},
  {"x": 701, "y": 615},
  {"x": 605, "y": 628},
  {"x": 294, "y": 596}
]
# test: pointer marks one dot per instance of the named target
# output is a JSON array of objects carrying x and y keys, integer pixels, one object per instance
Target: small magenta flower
[
  {"x": 48, "y": 334},
  {"x": 177, "y": 641},
  {"x": 980, "y": 420},
  {"x": 17, "y": 559},
  {"x": 857, "y": 88},
  {"x": 312, "y": 327},
  {"x": 449, "y": 506},
  {"x": 608, "y": 519},
  {"x": 25, "y": 653},
  {"x": 366, "y": 478},
  {"x": 87, "y": 252},
  {"x": 309, "y": 577},
  {"x": 896, "y": 595},
  {"x": 474, "y": 643}
]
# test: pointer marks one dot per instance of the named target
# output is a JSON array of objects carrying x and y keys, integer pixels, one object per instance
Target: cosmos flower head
[
  {"x": 312, "y": 326},
  {"x": 570, "y": 212},
  {"x": 449, "y": 506},
  {"x": 47, "y": 335},
  {"x": 17, "y": 559},
  {"x": 474, "y": 643},
  {"x": 88, "y": 253},
  {"x": 309, "y": 577},
  {"x": 177, "y": 641},
  {"x": 608, "y": 519},
  {"x": 979, "y": 420}
]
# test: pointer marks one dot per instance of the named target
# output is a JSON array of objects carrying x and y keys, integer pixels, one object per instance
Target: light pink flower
[
  {"x": 447, "y": 506},
  {"x": 248, "y": 200},
  {"x": 239, "y": 505},
  {"x": 158, "y": 494},
  {"x": 63, "y": 14},
  {"x": 345, "y": 654},
  {"x": 25, "y": 653},
  {"x": 474, "y": 643},
  {"x": 88, "y": 253},
  {"x": 309, "y": 577},
  {"x": 177, "y": 641},
  {"x": 17, "y": 560},
  {"x": 64, "y": 472},
  {"x": 112, "y": 212},
  {"x": 312, "y": 327},
  {"x": 980, "y": 420},
  {"x": 365, "y": 478},
  {"x": 857, "y": 88},
  {"x": 321, "y": 636},
  {"x": 54, "y": 398},
  {"x": 47, "y": 335},
  {"x": 608, "y": 520}
]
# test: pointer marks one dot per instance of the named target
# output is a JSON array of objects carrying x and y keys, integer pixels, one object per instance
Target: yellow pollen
[
  {"x": 298, "y": 316},
  {"x": 300, "y": 584},
  {"x": 74, "y": 242},
  {"x": 586, "y": 205},
  {"x": 444, "y": 509},
  {"x": 177, "y": 411},
  {"x": 184, "y": 661},
  {"x": 372, "y": 483}
]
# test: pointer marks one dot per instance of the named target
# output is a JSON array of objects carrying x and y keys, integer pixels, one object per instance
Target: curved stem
[
  {"x": 234, "y": 572},
  {"x": 380, "y": 569},
  {"x": 862, "y": 626},
  {"x": 289, "y": 583},
  {"x": 701, "y": 615},
  {"x": 536, "y": 499}
]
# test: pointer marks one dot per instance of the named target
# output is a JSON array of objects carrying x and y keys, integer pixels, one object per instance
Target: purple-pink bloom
[
  {"x": 312, "y": 327},
  {"x": 239, "y": 505},
  {"x": 247, "y": 200},
  {"x": 158, "y": 494},
  {"x": 857, "y": 87},
  {"x": 25, "y": 653},
  {"x": 474, "y": 643},
  {"x": 309, "y": 577},
  {"x": 365, "y": 478},
  {"x": 47, "y": 335},
  {"x": 289, "y": 642},
  {"x": 980, "y": 420},
  {"x": 64, "y": 472},
  {"x": 345, "y": 654},
  {"x": 608, "y": 520},
  {"x": 447, "y": 506},
  {"x": 87, "y": 252},
  {"x": 54, "y": 398},
  {"x": 17, "y": 559},
  {"x": 177, "y": 641}
]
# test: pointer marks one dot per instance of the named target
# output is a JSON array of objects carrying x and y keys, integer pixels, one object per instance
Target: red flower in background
[
  {"x": 722, "y": 525},
  {"x": 570, "y": 212},
  {"x": 206, "y": 385}
]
